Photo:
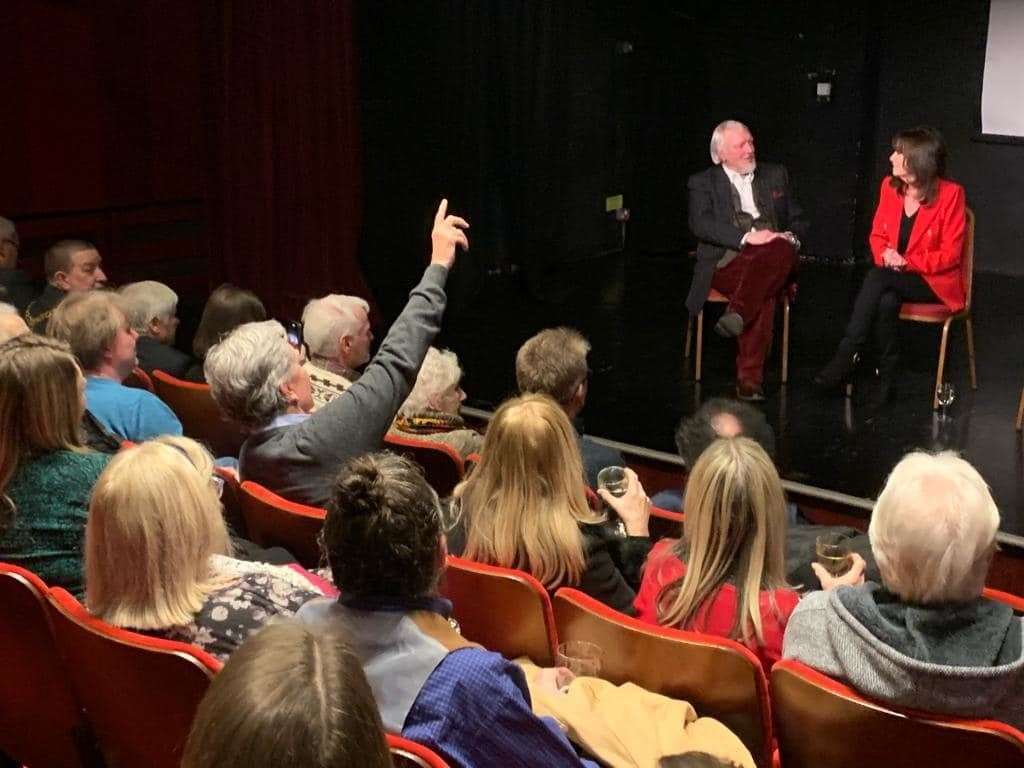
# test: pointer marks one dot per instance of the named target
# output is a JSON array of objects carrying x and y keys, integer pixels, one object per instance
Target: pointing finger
[{"x": 442, "y": 211}]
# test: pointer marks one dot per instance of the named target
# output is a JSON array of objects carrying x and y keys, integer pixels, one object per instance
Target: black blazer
[
  {"x": 711, "y": 215},
  {"x": 613, "y": 568},
  {"x": 154, "y": 356}
]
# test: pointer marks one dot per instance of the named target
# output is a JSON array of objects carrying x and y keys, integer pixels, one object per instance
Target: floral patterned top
[{"x": 254, "y": 594}]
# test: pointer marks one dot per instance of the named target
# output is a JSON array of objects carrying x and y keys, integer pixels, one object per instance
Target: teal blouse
[{"x": 51, "y": 496}]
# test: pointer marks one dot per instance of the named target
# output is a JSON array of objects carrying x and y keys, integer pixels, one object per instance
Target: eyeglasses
[{"x": 217, "y": 482}]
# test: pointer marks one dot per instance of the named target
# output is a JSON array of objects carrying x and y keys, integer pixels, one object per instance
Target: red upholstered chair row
[
  {"x": 199, "y": 415},
  {"x": 79, "y": 693},
  {"x": 273, "y": 521},
  {"x": 74, "y": 687}
]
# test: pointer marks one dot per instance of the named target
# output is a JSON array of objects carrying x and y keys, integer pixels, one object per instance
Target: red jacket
[
  {"x": 936, "y": 246},
  {"x": 717, "y": 616}
]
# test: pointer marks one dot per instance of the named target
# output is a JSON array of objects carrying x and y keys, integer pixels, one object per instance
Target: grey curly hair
[{"x": 245, "y": 372}]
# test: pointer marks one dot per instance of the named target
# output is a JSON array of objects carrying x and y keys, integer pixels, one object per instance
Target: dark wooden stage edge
[{"x": 660, "y": 471}]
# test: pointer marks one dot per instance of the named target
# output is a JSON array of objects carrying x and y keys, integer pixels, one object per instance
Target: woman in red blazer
[{"x": 917, "y": 240}]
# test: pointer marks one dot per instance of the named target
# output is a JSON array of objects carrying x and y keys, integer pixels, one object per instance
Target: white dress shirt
[{"x": 744, "y": 183}]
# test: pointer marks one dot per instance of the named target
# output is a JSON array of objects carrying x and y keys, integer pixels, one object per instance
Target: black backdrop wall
[{"x": 529, "y": 114}]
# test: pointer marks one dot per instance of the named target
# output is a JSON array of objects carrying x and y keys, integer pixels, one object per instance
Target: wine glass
[
  {"x": 945, "y": 394},
  {"x": 833, "y": 553},
  {"x": 581, "y": 658},
  {"x": 616, "y": 482}
]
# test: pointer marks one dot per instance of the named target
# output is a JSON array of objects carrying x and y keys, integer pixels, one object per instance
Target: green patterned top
[{"x": 51, "y": 493}]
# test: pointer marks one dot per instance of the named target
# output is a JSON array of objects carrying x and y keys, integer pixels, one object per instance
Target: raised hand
[{"x": 447, "y": 233}]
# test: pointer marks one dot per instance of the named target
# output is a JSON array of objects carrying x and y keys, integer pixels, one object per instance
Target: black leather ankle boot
[{"x": 839, "y": 367}]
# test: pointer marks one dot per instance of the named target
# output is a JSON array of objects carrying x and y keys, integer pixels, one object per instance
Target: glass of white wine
[
  {"x": 581, "y": 658},
  {"x": 945, "y": 394},
  {"x": 833, "y": 553}
]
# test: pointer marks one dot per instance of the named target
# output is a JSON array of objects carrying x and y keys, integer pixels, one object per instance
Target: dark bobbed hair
[
  {"x": 291, "y": 695},
  {"x": 383, "y": 527},
  {"x": 227, "y": 308},
  {"x": 924, "y": 154},
  {"x": 696, "y": 433}
]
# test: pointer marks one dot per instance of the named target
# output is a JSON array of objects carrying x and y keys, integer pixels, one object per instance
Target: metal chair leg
[
  {"x": 785, "y": 340},
  {"x": 969, "y": 326},
  {"x": 1020, "y": 411},
  {"x": 700, "y": 344},
  {"x": 942, "y": 364}
]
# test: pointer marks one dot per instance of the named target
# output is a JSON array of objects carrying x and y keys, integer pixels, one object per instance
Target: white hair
[
  {"x": 328, "y": 319},
  {"x": 11, "y": 323},
  {"x": 245, "y": 372},
  {"x": 440, "y": 371},
  {"x": 145, "y": 301},
  {"x": 933, "y": 529},
  {"x": 718, "y": 135},
  {"x": 7, "y": 309}
]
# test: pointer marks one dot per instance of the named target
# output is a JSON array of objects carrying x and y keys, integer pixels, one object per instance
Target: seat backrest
[
  {"x": 719, "y": 677},
  {"x": 967, "y": 260},
  {"x": 140, "y": 693},
  {"x": 41, "y": 724},
  {"x": 821, "y": 721},
  {"x": 441, "y": 463},
  {"x": 1014, "y": 601},
  {"x": 231, "y": 499},
  {"x": 198, "y": 413},
  {"x": 139, "y": 379},
  {"x": 503, "y": 609},
  {"x": 409, "y": 754},
  {"x": 273, "y": 521}
]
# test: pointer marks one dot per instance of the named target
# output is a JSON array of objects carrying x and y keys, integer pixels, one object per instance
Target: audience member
[
  {"x": 227, "y": 308},
  {"x": 72, "y": 266},
  {"x": 337, "y": 331},
  {"x": 525, "y": 506},
  {"x": 924, "y": 638},
  {"x": 554, "y": 363},
  {"x": 717, "y": 417},
  {"x": 152, "y": 309},
  {"x": 290, "y": 696},
  {"x": 431, "y": 412},
  {"x": 158, "y": 556},
  {"x": 15, "y": 285},
  {"x": 726, "y": 576},
  {"x": 257, "y": 379},
  {"x": 102, "y": 339},
  {"x": 384, "y": 543},
  {"x": 11, "y": 323},
  {"x": 46, "y": 475}
]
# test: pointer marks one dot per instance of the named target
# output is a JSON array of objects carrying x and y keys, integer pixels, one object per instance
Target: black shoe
[
  {"x": 839, "y": 368},
  {"x": 729, "y": 325}
]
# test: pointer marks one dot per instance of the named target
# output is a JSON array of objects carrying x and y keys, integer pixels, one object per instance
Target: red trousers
[{"x": 753, "y": 281}]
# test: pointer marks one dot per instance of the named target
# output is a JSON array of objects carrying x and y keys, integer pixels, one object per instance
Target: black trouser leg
[{"x": 878, "y": 304}]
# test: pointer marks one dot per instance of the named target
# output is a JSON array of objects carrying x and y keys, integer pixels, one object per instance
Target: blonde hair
[
  {"x": 88, "y": 321},
  {"x": 154, "y": 522},
  {"x": 524, "y": 501},
  {"x": 933, "y": 529},
  {"x": 734, "y": 530},
  {"x": 40, "y": 405}
]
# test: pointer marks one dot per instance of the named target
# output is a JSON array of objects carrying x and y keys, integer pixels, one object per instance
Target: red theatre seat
[
  {"x": 720, "y": 677},
  {"x": 502, "y": 609},
  {"x": 409, "y": 754},
  {"x": 822, "y": 722},
  {"x": 41, "y": 723},
  {"x": 441, "y": 463},
  {"x": 140, "y": 693},
  {"x": 199, "y": 415},
  {"x": 273, "y": 521}
]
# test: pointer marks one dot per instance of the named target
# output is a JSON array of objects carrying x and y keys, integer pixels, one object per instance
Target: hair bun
[{"x": 362, "y": 490}]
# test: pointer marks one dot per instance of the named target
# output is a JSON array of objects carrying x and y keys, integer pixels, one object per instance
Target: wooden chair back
[
  {"x": 821, "y": 721},
  {"x": 140, "y": 693},
  {"x": 503, "y": 609},
  {"x": 273, "y": 521},
  {"x": 719, "y": 677}
]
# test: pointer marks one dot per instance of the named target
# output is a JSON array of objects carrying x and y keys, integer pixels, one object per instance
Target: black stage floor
[{"x": 631, "y": 309}]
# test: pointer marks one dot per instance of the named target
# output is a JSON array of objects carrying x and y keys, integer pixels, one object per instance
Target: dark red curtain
[{"x": 285, "y": 183}]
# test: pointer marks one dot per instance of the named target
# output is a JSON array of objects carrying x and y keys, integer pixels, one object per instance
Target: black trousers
[{"x": 877, "y": 308}]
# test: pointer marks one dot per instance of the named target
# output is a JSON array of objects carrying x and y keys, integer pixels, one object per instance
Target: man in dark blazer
[{"x": 748, "y": 228}]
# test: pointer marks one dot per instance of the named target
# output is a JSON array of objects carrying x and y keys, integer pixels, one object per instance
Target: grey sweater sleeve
[{"x": 357, "y": 420}]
